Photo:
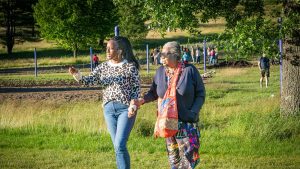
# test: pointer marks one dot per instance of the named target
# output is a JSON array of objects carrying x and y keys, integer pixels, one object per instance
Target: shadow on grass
[
  {"x": 212, "y": 25},
  {"x": 241, "y": 82},
  {"x": 218, "y": 94}
]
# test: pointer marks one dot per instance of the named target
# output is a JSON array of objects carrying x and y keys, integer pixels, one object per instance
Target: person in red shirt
[{"x": 95, "y": 60}]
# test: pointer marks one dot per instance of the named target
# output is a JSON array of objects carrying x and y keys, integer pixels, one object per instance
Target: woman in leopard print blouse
[{"x": 120, "y": 78}]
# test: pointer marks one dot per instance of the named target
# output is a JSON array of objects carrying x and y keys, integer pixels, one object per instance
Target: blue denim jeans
[{"x": 119, "y": 127}]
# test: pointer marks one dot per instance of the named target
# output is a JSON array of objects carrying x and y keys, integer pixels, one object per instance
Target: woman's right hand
[{"x": 72, "y": 70}]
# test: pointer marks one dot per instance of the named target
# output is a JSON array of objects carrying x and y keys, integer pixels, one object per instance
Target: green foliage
[
  {"x": 172, "y": 15},
  {"x": 291, "y": 19},
  {"x": 251, "y": 37},
  {"x": 131, "y": 20},
  {"x": 232, "y": 10},
  {"x": 75, "y": 24},
  {"x": 185, "y": 15},
  {"x": 144, "y": 127}
]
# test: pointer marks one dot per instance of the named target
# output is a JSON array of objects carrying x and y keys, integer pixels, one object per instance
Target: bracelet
[{"x": 132, "y": 108}]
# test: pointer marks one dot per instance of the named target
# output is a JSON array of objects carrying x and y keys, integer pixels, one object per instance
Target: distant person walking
[
  {"x": 216, "y": 56},
  {"x": 198, "y": 55},
  {"x": 119, "y": 76},
  {"x": 186, "y": 56},
  {"x": 212, "y": 57},
  {"x": 193, "y": 54},
  {"x": 264, "y": 67},
  {"x": 152, "y": 57},
  {"x": 95, "y": 60},
  {"x": 157, "y": 56}
]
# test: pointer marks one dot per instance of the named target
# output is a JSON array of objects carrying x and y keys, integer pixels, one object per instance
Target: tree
[
  {"x": 250, "y": 37},
  {"x": 26, "y": 20},
  {"x": 131, "y": 20},
  {"x": 14, "y": 13},
  {"x": 9, "y": 8},
  {"x": 172, "y": 15},
  {"x": 186, "y": 14},
  {"x": 290, "y": 96},
  {"x": 75, "y": 24}
]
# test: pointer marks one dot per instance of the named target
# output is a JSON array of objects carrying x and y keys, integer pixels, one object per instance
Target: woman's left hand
[{"x": 132, "y": 109}]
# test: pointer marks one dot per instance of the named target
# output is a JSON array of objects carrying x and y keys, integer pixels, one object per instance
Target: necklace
[{"x": 170, "y": 73}]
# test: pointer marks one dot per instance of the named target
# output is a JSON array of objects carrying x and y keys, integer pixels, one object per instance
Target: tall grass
[
  {"x": 30, "y": 114},
  {"x": 44, "y": 61},
  {"x": 59, "y": 77}
]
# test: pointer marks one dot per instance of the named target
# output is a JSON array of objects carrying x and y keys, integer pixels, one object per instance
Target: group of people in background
[
  {"x": 187, "y": 55},
  {"x": 155, "y": 56},
  {"x": 193, "y": 55},
  {"x": 212, "y": 54}
]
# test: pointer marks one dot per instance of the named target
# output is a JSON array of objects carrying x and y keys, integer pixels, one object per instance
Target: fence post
[
  {"x": 117, "y": 32},
  {"x": 280, "y": 53},
  {"x": 147, "y": 54},
  {"x": 35, "y": 63},
  {"x": 91, "y": 56},
  {"x": 204, "y": 55}
]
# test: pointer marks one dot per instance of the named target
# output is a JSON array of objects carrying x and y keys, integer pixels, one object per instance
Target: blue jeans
[{"x": 119, "y": 127}]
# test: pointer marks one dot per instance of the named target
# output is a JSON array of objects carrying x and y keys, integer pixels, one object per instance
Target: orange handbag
[{"x": 167, "y": 115}]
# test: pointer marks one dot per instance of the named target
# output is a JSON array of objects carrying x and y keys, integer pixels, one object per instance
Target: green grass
[
  {"x": 241, "y": 127},
  {"x": 29, "y": 79},
  {"x": 43, "y": 61},
  {"x": 59, "y": 77}
]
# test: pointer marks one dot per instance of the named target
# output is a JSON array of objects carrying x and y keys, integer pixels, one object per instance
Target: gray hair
[{"x": 174, "y": 49}]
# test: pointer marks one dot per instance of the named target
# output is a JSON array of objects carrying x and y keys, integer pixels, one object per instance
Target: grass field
[
  {"x": 58, "y": 77},
  {"x": 241, "y": 127}
]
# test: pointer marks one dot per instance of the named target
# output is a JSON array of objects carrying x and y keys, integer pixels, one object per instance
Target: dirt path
[
  {"x": 45, "y": 89},
  {"x": 41, "y": 69},
  {"x": 61, "y": 93},
  {"x": 58, "y": 94}
]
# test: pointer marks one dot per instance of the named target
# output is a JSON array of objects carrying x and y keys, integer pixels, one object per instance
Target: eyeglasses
[{"x": 166, "y": 55}]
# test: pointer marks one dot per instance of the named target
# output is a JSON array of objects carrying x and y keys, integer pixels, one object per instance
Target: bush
[{"x": 144, "y": 128}]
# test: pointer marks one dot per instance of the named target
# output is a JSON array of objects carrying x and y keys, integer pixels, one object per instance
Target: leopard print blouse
[{"x": 121, "y": 81}]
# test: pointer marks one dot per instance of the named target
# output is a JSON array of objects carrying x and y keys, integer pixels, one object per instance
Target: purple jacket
[{"x": 190, "y": 92}]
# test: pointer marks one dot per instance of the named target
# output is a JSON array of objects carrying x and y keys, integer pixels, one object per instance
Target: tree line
[{"x": 77, "y": 24}]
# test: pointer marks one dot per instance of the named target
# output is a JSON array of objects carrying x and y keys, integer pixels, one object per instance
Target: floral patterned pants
[{"x": 184, "y": 146}]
